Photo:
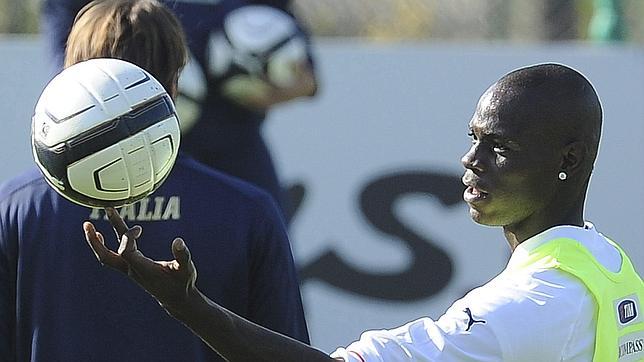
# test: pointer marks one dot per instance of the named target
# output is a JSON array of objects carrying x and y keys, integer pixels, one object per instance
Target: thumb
[{"x": 181, "y": 253}]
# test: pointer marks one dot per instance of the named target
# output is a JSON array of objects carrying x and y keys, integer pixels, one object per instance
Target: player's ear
[{"x": 572, "y": 157}]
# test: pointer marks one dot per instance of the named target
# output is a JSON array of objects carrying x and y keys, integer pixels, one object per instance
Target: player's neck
[{"x": 517, "y": 233}]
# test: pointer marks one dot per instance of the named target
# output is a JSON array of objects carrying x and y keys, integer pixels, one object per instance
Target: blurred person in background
[
  {"x": 49, "y": 292},
  {"x": 568, "y": 293},
  {"x": 608, "y": 22},
  {"x": 226, "y": 132}
]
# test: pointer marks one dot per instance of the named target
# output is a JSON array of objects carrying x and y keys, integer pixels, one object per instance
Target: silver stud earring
[{"x": 563, "y": 176}]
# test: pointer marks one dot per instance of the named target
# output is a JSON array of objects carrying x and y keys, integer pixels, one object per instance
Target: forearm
[
  {"x": 305, "y": 85},
  {"x": 255, "y": 93},
  {"x": 238, "y": 339}
]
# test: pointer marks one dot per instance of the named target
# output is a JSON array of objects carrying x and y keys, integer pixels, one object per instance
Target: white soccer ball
[
  {"x": 260, "y": 41},
  {"x": 105, "y": 133}
]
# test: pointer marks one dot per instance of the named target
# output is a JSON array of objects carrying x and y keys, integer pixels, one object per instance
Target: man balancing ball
[{"x": 568, "y": 292}]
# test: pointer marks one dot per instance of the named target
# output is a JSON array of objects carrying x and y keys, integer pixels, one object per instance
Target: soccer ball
[
  {"x": 105, "y": 133},
  {"x": 260, "y": 41},
  {"x": 256, "y": 48}
]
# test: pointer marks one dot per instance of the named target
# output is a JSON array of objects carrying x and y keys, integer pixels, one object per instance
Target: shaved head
[
  {"x": 558, "y": 100},
  {"x": 535, "y": 137}
]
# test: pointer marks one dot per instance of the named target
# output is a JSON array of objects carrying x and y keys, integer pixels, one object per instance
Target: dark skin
[
  {"x": 304, "y": 85},
  {"x": 528, "y": 127},
  {"x": 514, "y": 163}
]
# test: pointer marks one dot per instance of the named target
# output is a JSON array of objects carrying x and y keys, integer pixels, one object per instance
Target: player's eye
[{"x": 472, "y": 136}]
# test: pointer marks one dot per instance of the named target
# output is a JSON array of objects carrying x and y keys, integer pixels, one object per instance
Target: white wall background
[{"x": 385, "y": 108}]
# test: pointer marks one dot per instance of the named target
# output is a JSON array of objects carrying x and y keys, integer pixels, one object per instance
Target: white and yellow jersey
[{"x": 523, "y": 314}]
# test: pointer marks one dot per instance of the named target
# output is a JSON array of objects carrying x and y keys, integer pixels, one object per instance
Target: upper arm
[
  {"x": 534, "y": 315},
  {"x": 423, "y": 340},
  {"x": 275, "y": 300},
  {"x": 522, "y": 319},
  {"x": 554, "y": 319}
]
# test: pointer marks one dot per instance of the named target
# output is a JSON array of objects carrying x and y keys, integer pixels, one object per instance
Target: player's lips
[
  {"x": 473, "y": 195},
  {"x": 474, "y": 192}
]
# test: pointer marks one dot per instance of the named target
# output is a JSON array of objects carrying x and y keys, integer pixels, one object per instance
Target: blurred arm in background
[{"x": 303, "y": 80}]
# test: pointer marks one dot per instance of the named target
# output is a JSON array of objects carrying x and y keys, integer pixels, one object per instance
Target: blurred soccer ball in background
[
  {"x": 105, "y": 133},
  {"x": 258, "y": 47},
  {"x": 260, "y": 41}
]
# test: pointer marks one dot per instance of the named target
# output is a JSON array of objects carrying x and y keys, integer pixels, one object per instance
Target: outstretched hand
[{"x": 170, "y": 282}]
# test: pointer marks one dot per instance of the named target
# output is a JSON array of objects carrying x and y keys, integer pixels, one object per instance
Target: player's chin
[
  {"x": 476, "y": 215},
  {"x": 480, "y": 216}
]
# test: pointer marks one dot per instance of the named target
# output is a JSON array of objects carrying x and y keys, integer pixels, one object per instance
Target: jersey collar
[{"x": 561, "y": 231}]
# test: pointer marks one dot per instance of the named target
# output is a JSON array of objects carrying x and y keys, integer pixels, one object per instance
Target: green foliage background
[{"x": 391, "y": 20}]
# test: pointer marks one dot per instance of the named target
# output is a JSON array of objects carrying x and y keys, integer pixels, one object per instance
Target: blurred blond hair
[{"x": 143, "y": 32}]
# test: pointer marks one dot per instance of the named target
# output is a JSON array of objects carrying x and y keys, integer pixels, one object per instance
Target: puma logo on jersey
[{"x": 471, "y": 320}]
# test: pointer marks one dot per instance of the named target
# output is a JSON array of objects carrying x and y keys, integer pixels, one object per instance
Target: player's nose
[{"x": 471, "y": 159}]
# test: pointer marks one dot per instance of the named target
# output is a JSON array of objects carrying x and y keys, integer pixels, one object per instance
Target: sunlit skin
[{"x": 519, "y": 146}]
